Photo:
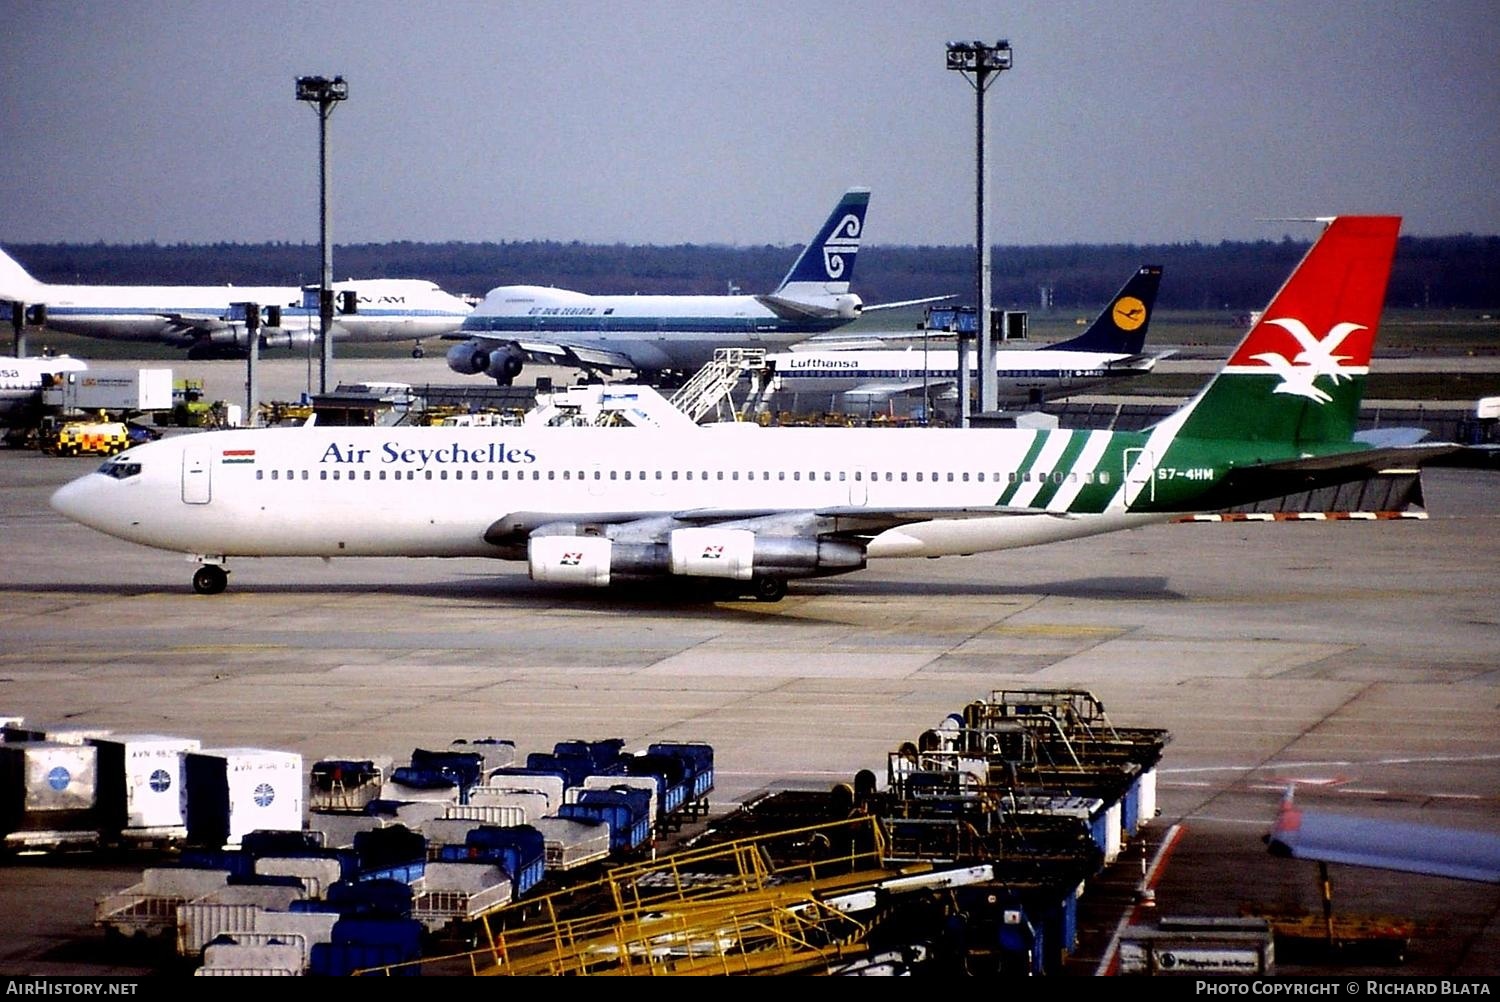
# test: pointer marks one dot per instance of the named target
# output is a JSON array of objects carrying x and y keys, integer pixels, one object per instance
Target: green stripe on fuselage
[
  {"x": 1061, "y": 469},
  {"x": 1038, "y": 439},
  {"x": 1096, "y": 496}
]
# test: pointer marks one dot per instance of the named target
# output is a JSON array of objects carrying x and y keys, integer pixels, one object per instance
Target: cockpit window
[{"x": 120, "y": 469}]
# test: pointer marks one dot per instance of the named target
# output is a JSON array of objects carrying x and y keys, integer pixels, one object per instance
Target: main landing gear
[
  {"x": 210, "y": 579},
  {"x": 767, "y": 589}
]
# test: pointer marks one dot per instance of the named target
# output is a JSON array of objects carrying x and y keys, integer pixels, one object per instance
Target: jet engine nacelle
[
  {"x": 501, "y": 364},
  {"x": 849, "y": 307},
  {"x": 275, "y": 338},
  {"x": 589, "y": 560},
  {"x": 732, "y": 554},
  {"x": 468, "y": 358},
  {"x": 504, "y": 365}
]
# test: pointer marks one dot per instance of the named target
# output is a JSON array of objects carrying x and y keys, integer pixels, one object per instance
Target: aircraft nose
[{"x": 79, "y": 501}]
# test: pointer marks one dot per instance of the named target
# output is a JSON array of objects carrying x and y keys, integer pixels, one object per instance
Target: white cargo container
[
  {"x": 531, "y": 803},
  {"x": 235, "y": 791},
  {"x": 112, "y": 390},
  {"x": 551, "y": 787},
  {"x": 338, "y": 830},
  {"x": 142, "y": 784},
  {"x": 498, "y": 815},
  {"x": 149, "y": 907},
  {"x": 229, "y": 909},
  {"x": 48, "y": 794},
  {"x": 572, "y": 842},
  {"x": 251, "y": 954},
  {"x": 65, "y": 734},
  {"x": 316, "y": 873},
  {"x": 456, "y": 892},
  {"x": 304, "y": 928}
]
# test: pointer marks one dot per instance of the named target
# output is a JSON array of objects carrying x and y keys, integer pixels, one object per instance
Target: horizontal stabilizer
[
  {"x": 793, "y": 309},
  {"x": 1436, "y": 850}
]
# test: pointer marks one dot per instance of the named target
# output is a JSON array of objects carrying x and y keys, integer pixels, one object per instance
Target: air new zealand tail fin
[
  {"x": 1299, "y": 375},
  {"x": 826, "y": 264},
  {"x": 1121, "y": 327}
]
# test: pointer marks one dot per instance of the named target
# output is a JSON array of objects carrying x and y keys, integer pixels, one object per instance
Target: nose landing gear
[{"x": 210, "y": 579}]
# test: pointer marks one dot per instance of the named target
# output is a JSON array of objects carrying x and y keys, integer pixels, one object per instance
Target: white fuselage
[
  {"x": 1022, "y": 375},
  {"x": 21, "y": 381},
  {"x": 387, "y": 309},
  {"x": 324, "y": 491},
  {"x": 656, "y": 331}
]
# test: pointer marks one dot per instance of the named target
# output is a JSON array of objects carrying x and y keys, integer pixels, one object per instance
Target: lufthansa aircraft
[
  {"x": 22, "y": 381},
  {"x": 656, "y": 334},
  {"x": 1109, "y": 349},
  {"x": 208, "y": 320},
  {"x": 752, "y": 507}
]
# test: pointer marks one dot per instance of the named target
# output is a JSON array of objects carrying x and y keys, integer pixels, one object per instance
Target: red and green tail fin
[{"x": 1298, "y": 377}]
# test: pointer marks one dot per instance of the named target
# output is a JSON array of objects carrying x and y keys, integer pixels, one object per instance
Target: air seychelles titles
[{"x": 452, "y": 454}]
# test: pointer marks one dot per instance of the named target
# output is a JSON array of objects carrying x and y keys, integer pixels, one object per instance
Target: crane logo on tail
[{"x": 1316, "y": 359}]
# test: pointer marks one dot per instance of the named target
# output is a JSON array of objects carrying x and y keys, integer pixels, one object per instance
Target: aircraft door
[
  {"x": 1140, "y": 474},
  {"x": 197, "y": 486},
  {"x": 859, "y": 487}
]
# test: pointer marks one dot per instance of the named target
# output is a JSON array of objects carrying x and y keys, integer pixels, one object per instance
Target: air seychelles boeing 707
[{"x": 756, "y": 507}]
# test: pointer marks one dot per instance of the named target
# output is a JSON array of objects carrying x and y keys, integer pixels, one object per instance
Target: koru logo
[
  {"x": 843, "y": 240},
  {"x": 265, "y": 793},
  {"x": 1316, "y": 359},
  {"x": 161, "y": 781}
]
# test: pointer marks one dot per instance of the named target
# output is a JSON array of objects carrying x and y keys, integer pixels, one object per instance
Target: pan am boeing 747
[
  {"x": 754, "y": 507},
  {"x": 208, "y": 320}
]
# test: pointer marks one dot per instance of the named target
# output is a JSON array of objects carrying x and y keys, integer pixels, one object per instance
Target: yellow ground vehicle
[{"x": 83, "y": 438}]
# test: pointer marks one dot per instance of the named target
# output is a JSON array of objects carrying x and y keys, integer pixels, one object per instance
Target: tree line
[{"x": 1453, "y": 272}]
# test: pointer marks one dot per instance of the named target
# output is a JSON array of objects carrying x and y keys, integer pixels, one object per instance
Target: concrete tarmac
[{"x": 1357, "y": 659}]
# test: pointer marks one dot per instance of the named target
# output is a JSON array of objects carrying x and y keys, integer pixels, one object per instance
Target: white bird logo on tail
[{"x": 1316, "y": 358}]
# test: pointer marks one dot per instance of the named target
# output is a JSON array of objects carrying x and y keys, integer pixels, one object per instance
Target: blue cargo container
[
  {"x": 572, "y": 768},
  {"x": 519, "y": 850},
  {"x": 360, "y": 943},
  {"x": 383, "y": 848},
  {"x": 466, "y": 768},
  {"x": 1131, "y": 819},
  {"x": 698, "y": 759},
  {"x": 375, "y": 898},
  {"x": 599, "y": 754},
  {"x": 627, "y": 811},
  {"x": 672, "y": 781}
]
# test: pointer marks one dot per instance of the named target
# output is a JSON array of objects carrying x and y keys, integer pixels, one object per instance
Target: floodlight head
[{"x": 321, "y": 89}]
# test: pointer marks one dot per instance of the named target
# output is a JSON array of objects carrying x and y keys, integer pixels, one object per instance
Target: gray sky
[{"x": 741, "y": 122}]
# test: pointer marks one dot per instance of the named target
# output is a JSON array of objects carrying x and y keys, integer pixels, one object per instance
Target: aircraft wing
[
  {"x": 1388, "y": 845},
  {"x": 843, "y": 522},
  {"x": 185, "y": 324},
  {"x": 891, "y": 388},
  {"x": 561, "y": 351}
]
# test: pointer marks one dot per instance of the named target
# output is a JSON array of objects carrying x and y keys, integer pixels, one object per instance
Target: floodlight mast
[
  {"x": 979, "y": 62},
  {"x": 322, "y": 94}
]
